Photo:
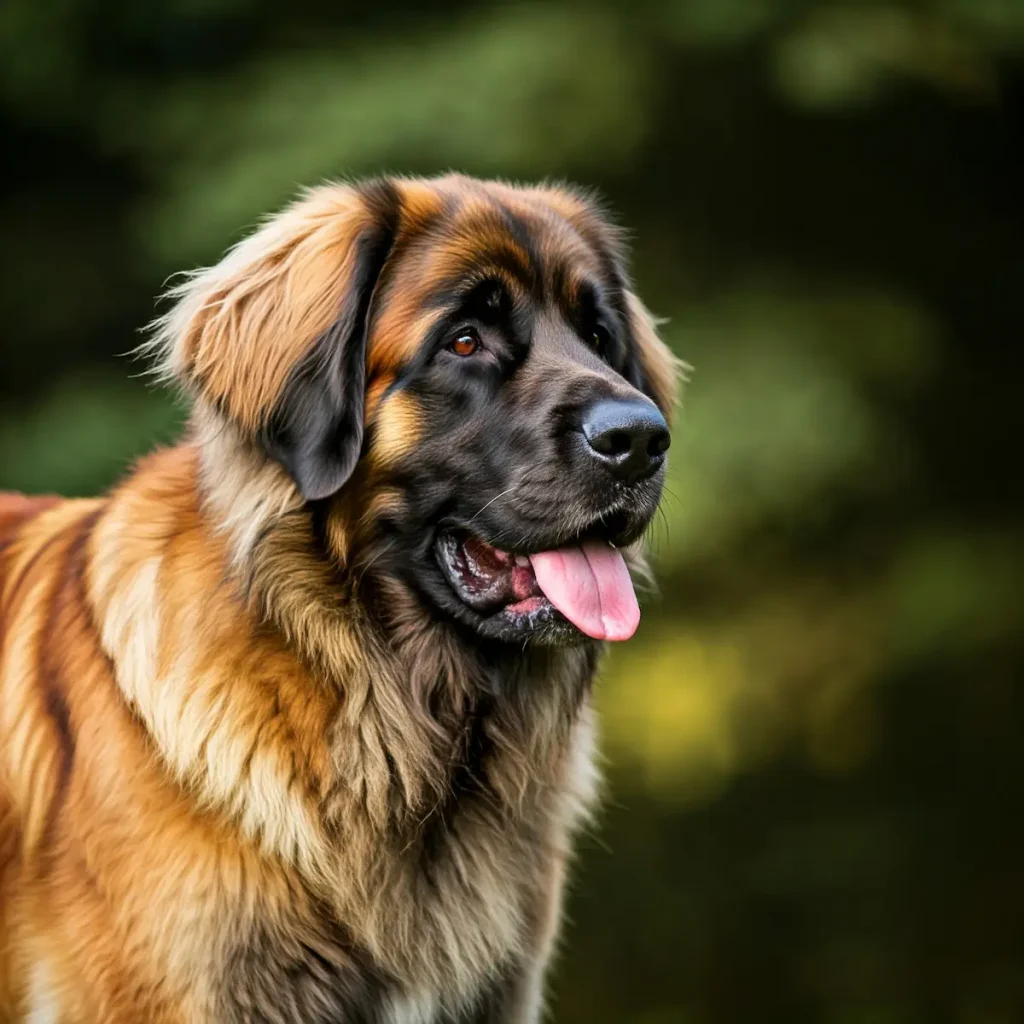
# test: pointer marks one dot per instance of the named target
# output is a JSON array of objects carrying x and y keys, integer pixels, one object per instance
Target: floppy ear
[
  {"x": 659, "y": 373},
  {"x": 315, "y": 429},
  {"x": 656, "y": 372},
  {"x": 274, "y": 336}
]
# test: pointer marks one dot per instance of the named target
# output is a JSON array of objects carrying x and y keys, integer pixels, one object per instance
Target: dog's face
[{"x": 461, "y": 365}]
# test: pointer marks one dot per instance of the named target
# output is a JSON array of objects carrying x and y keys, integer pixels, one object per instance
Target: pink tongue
[{"x": 590, "y": 586}]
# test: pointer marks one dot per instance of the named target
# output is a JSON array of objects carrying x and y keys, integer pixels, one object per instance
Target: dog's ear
[
  {"x": 654, "y": 369},
  {"x": 315, "y": 429},
  {"x": 274, "y": 336},
  {"x": 657, "y": 372}
]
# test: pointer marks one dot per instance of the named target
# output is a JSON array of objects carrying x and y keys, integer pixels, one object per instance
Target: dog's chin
[{"x": 496, "y": 592}]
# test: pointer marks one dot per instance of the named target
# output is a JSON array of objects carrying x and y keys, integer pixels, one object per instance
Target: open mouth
[{"x": 586, "y": 585}]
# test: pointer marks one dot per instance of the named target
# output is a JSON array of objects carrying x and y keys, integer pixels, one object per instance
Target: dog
[{"x": 295, "y": 721}]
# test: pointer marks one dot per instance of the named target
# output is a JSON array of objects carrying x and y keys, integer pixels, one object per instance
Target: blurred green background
[{"x": 814, "y": 743}]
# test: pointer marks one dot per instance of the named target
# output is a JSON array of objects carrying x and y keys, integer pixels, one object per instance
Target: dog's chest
[
  {"x": 434, "y": 923},
  {"x": 411, "y": 926}
]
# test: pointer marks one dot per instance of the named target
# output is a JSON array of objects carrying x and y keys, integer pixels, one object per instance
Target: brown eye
[
  {"x": 467, "y": 343},
  {"x": 599, "y": 339}
]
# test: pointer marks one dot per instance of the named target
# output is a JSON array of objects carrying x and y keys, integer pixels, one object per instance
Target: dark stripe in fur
[
  {"x": 301, "y": 976},
  {"x": 64, "y": 619}
]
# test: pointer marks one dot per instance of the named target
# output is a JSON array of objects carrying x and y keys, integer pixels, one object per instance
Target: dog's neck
[{"x": 413, "y": 683}]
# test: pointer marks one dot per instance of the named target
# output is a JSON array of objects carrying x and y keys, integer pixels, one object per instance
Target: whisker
[
  {"x": 508, "y": 490},
  {"x": 383, "y": 551}
]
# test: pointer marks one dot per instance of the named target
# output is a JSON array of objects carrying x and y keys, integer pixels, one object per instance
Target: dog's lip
[
  {"x": 617, "y": 525},
  {"x": 485, "y": 578}
]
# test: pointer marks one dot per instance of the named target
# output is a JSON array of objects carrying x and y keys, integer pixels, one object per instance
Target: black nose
[{"x": 629, "y": 436}]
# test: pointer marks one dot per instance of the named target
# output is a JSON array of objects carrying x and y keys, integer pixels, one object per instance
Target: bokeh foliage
[{"x": 815, "y": 767}]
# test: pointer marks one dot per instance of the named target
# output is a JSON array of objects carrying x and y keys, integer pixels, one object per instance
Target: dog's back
[{"x": 15, "y": 511}]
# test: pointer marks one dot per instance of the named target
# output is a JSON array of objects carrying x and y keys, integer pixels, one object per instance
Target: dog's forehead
[
  {"x": 456, "y": 233},
  {"x": 484, "y": 230}
]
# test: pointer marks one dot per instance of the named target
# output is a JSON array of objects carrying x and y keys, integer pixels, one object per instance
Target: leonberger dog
[{"x": 295, "y": 722}]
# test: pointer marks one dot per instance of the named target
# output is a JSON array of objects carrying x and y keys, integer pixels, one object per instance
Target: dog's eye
[
  {"x": 599, "y": 339},
  {"x": 465, "y": 343}
]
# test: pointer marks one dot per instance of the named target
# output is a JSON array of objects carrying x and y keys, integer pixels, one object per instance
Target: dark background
[{"x": 814, "y": 742}]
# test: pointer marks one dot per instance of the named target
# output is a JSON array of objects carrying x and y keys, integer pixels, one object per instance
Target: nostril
[
  {"x": 612, "y": 443},
  {"x": 658, "y": 444}
]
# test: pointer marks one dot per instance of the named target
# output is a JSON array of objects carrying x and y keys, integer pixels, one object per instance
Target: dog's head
[{"x": 459, "y": 372}]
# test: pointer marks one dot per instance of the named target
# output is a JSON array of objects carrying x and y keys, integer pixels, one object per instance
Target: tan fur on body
[{"x": 210, "y": 751}]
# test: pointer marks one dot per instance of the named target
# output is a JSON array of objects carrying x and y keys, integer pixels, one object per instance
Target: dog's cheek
[{"x": 398, "y": 431}]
